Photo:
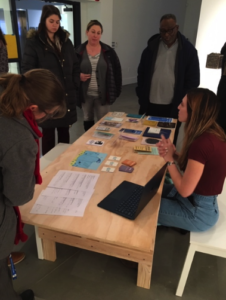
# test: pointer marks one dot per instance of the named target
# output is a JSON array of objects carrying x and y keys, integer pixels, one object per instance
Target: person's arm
[
  {"x": 141, "y": 75},
  {"x": 18, "y": 165},
  {"x": 186, "y": 183},
  {"x": 192, "y": 72},
  {"x": 117, "y": 73},
  {"x": 30, "y": 58}
]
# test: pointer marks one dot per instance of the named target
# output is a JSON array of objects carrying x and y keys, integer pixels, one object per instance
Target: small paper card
[
  {"x": 114, "y": 157},
  {"x": 95, "y": 143},
  {"x": 154, "y": 130},
  {"x": 111, "y": 163},
  {"x": 132, "y": 131},
  {"x": 108, "y": 169}
]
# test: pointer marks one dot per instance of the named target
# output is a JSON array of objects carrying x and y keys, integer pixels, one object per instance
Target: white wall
[
  {"x": 101, "y": 11},
  {"x": 134, "y": 24},
  {"x": 192, "y": 19},
  {"x": 34, "y": 16},
  {"x": 210, "y": 38}
]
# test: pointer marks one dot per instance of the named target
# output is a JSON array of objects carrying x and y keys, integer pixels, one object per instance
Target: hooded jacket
[
  {"x": 113, "y": 80},
  {"x": 187, "y": 74},
  {"x": 38, "y": 53},
  {"x": 18, "y": 151}
]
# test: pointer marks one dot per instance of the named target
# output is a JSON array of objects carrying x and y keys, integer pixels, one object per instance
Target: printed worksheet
[
  {"x": 72, "y": 180},
  {"x": 67, "y": 194}
]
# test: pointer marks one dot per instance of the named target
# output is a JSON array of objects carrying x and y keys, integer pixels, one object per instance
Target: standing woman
[
  {"x": 24, "y": 99},
  {"x": 190, "y": 203},
  {"x": 4, "y": 68},
  {"x": 100, "y": 75},
  {"x": 50, "y": 48}
]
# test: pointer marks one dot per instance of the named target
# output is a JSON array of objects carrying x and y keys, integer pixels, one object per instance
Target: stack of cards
[
  {"x": 114, "y": 119},
  {"x": 103, "y": 128},
  {"x": 166, "y": 125},
  {"x": 111, "y": 124},
  {"x": 154, "y": 130},
  {"x": 127, "y": 166},
  {"x": 132, "y": 131},
  {"x": 117, "y": 114},
  {"x": 160, "y": 119},
  {"x": 150, "y": 123},
  {"x": 103, "y": 135},
  {"x": 132, "y": 120},
  {"x": 154, "y": 151},
  {"x": 142, "y": 149},
  {"x": 127, "y": 138}
]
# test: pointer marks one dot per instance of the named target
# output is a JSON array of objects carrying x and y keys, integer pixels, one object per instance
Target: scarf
[{"x": 20, "y": 235}]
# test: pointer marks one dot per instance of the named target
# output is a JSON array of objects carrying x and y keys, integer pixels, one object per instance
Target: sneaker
[
  {"x": 17, "y": 257},
  {"x": 27, "y": 295}
]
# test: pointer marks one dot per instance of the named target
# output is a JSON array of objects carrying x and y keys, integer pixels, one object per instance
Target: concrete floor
[{"x": 83, "y": 275}]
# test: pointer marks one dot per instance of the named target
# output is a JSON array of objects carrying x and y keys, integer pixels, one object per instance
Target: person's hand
[
  {"x": 166, "y": 149},
  {"x": 84, "y": 77}
]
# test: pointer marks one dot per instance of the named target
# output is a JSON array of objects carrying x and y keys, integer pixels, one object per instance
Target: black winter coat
[
  {"x": 187, "y": 74},
  {"x": 114, "y": 73},
  {"x": 221, "y": 92},
  {"x": 39, "y": 54}
]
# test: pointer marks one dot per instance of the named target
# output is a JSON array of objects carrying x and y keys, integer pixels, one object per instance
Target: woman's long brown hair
[{"x": 203, "y": 108}]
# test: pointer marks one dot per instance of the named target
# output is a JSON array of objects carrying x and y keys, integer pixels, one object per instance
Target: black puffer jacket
[
  {"x": 114, "y": 73},
  {"x": 39, "y": 53}
]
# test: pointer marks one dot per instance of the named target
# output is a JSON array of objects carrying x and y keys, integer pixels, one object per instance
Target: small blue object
[
  {"x": 134, "y": 116},
  {"x": 13, "y": 269},
  {"x": 160, "y": 119}
]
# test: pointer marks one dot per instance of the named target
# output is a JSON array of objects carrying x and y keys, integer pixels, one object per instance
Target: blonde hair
[
  {"x": 39, "y": 87},
  {"x": 202, "y": 109}
]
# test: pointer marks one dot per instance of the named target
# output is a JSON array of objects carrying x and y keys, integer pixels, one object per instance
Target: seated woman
[{"x": 191, "y": 202}]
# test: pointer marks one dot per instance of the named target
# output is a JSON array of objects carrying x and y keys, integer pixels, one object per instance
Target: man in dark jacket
[{"x": 168, "y": 68}]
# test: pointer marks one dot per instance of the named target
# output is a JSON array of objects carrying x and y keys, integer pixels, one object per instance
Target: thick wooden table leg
[
  {"x": 49, "y": 250},
  {"x": 144, "y": 275}
]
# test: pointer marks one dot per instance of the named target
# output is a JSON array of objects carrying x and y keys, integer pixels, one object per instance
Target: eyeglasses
[{"x": 169, "y": 31}]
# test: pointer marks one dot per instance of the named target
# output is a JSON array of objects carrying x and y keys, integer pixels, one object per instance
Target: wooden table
[{"x": 99, "y": 230}]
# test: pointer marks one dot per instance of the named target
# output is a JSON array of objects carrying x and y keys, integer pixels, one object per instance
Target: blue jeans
[{"x": 198, "y": 213}]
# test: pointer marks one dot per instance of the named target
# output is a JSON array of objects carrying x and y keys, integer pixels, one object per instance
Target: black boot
[
  {"x": 88, "y": 124},
  {"x": 27, "y": 295}
]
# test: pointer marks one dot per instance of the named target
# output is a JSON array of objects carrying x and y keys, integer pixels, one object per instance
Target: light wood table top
[{"x": 99, "y": 224}]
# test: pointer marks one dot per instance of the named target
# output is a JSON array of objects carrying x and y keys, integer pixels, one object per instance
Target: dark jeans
[
  {"x": 48, "y": 139},
  {"x": 159, "y": 110}
]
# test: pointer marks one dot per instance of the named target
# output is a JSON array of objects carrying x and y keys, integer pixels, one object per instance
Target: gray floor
[{"x": 83, "y": 275}]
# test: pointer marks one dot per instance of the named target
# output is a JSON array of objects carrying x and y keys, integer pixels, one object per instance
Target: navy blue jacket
[{"x": 187, "y": 74}]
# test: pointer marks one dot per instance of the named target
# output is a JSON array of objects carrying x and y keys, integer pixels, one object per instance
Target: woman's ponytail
[{"x": 13, "y": 100}]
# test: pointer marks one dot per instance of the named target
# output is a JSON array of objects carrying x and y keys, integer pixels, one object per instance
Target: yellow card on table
[{"x": 150, "y": 123}]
